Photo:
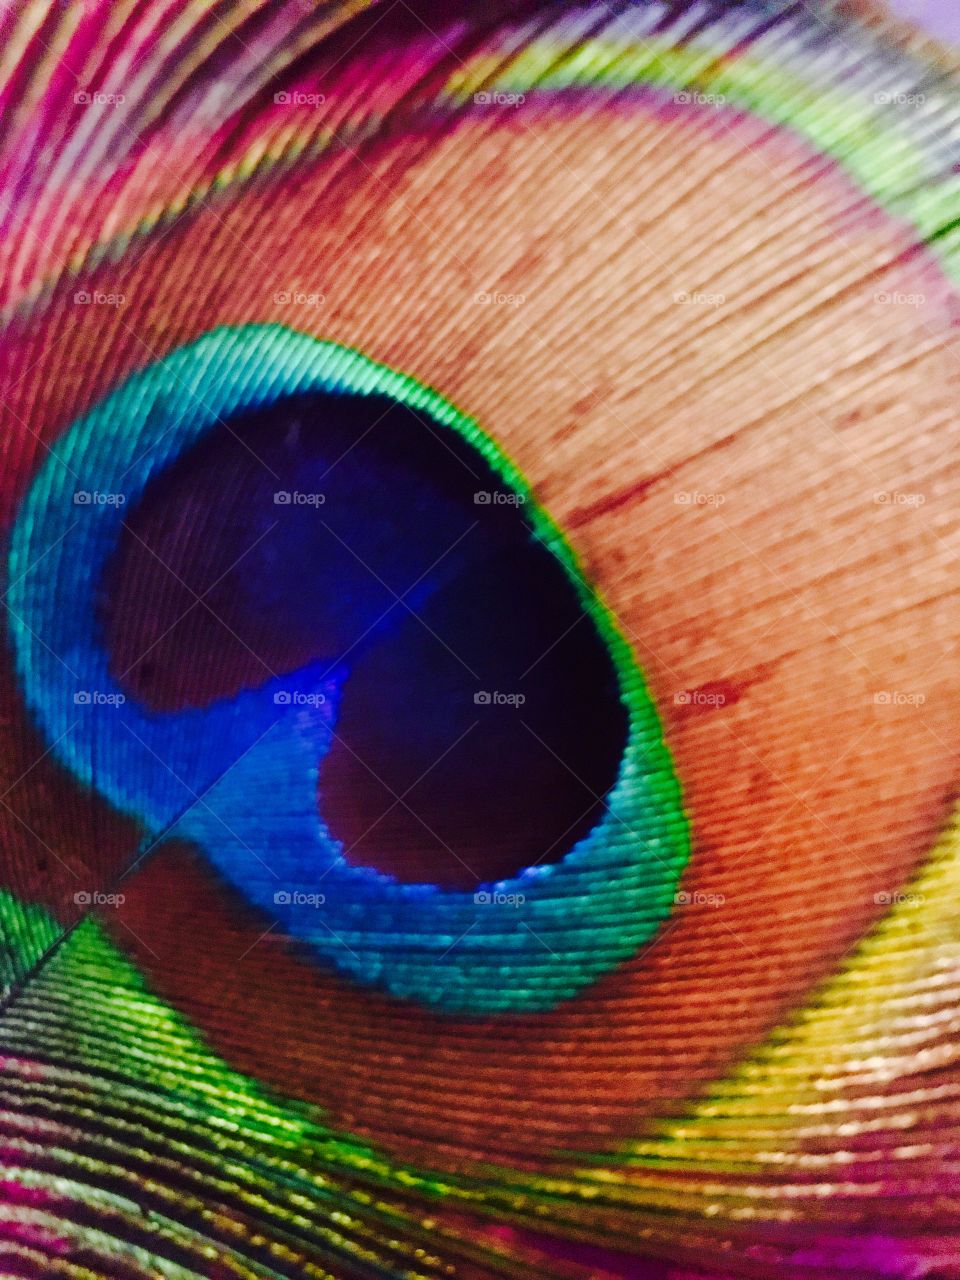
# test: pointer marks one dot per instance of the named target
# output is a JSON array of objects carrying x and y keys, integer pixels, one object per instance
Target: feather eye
[
  {"x": 478, "y": 709},
  {"x": 239, "y": 777}
]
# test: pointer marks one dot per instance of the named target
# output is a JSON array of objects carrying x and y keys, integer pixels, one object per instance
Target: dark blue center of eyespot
[{"x": 480, "y": 724}]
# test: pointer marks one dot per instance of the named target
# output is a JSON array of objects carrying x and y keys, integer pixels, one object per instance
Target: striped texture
[{"x": 685, "y": 274}]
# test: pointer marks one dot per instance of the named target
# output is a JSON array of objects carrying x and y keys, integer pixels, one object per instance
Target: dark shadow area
[{"x": 440, "y": 611}]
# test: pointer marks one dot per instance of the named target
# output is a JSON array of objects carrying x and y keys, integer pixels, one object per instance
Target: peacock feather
[{"x": 479, "y": 697}]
